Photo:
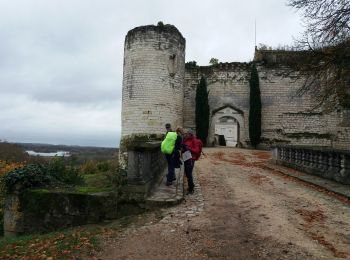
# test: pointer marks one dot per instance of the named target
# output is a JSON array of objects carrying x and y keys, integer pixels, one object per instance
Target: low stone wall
[
  {"x": 36, "y": 211},
  {"x": 43, "y": 210},
  {"x": 145, "y": 167},
  {"x": 325, "y": 162}
]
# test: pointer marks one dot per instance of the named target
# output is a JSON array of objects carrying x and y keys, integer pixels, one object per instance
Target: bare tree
[
  {"x": 326, "y": 64},
  {"x": 327, "y": 21}
]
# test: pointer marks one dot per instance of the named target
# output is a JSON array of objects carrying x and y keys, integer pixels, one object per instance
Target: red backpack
[{"x": 196, "y": 148}]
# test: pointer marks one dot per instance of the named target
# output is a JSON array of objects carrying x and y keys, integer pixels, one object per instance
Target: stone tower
[{"x": 153, "y": 79}]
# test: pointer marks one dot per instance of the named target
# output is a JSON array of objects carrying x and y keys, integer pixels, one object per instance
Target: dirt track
[{"x": 242, "y": 210}]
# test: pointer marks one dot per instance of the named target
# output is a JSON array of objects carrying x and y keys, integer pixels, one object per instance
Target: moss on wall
[{"x": 135, "y": 140}]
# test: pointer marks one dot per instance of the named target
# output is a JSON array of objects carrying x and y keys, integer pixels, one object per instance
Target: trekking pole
[{"x": 177, "y": 180}]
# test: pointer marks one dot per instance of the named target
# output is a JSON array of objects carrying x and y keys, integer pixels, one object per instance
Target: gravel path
[{"x": 240, "y": 210}]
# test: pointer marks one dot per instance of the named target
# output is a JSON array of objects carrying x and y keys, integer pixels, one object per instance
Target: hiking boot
[
  {"x": 189, "y": 192},
  {"x": 168, "y": 183}
]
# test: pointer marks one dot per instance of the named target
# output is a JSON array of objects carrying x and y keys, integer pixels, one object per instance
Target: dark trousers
[
  {"x": 189, "y": 164},
  {"x": 171, "y": 168}
]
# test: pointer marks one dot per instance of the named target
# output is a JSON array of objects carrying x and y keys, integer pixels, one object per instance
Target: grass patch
[
  {"x": 92, "y": 189},
  {"x": 92, "y": 183},
  {"x": 96, "y": 180},
  {"x": 58, "y": 245},
  {"x": 82, "y": 242},
  {"x": 95, "y": 183}
]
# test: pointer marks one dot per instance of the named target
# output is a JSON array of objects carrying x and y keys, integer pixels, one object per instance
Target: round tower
[{"x": 153, "y": 78}]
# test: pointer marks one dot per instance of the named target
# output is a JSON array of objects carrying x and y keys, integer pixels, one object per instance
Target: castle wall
[
  {"x": 286, "y": 117},
  {"x": 153, "y": 75},
  {"x": 158, "y": 89},
  {"x": 227, "y": 85},
  {"x": 291, "y": 118}
]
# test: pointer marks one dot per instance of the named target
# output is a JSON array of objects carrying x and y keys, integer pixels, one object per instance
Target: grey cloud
[{"x": 61, "y": 61}]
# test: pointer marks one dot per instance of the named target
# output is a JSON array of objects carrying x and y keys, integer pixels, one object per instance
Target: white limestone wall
[
  {"x": 228, "y": 86},
  {"x": 153, "y": 78},
  {"x": 290, "y": 118},
  {"x": 286, "y": 117}
]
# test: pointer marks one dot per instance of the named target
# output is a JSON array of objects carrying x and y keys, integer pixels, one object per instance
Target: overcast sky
[{"x": 61, "y": 60}]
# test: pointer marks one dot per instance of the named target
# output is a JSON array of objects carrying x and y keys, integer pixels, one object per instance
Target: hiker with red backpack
[{"x": 192, "y": 149}]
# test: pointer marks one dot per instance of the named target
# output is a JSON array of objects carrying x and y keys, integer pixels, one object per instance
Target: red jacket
[{"x": 195, "y": 146}]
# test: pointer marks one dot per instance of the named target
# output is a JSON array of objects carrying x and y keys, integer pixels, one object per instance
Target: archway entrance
[{"x": 227, "y": 131}]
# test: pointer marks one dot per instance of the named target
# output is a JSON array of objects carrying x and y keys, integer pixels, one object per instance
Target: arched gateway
[
  {"x": 227, "y": 131},
  {"x": 225, "y": 126}
]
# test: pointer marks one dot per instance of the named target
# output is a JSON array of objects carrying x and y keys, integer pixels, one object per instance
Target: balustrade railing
[{"x": 328, "y": 163}]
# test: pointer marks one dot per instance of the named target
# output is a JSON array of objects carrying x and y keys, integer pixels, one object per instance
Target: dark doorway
[{"x": 222, "y": 140}]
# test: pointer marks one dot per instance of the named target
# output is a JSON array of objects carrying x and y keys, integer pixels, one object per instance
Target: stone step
[{"x": 167, "y": 196}]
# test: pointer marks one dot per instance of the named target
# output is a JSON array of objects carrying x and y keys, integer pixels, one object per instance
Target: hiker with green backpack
[{"x": 171, "y": 146}]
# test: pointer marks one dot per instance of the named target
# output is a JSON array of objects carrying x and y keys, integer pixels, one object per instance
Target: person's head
[
  {"x": 189, "y": 134},
  {"x": 180, "y": 130},
  {"x": 168, "y": 127}
]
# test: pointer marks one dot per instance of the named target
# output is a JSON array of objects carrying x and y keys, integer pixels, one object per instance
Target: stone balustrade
[{"x": 325, "y": 162}]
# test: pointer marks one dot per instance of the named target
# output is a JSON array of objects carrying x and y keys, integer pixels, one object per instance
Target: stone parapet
[
  {"x": 322, "y": 161},
  {"x": 42, "y": 210},
  {"x": 281, "y": 57},
  {"x": 145, "y": 167}
]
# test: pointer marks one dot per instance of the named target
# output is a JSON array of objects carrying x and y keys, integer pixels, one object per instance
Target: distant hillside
[
  {"x": 86, "y": 152},
  {"x": 50, "y": 148}
]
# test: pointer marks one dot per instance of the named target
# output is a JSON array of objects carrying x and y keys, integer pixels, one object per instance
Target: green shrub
[
  {"x": 89, "y": 167},
  {"x": 67, "y": 174},
  {"x": 116, "y": 178},
  {"x": 54, "y": 173},
  {"x": 104, "y": 166},
  {"x": 29, "y": 176}
]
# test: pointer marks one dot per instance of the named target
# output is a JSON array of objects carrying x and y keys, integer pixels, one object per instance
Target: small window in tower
[{"x": 172, "y": 65}]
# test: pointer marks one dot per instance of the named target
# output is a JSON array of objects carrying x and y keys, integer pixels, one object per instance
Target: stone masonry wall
[
  {"x": 227, "y": 85},
  {"x": 291, "y": 118},
  {"x": 154, "y": 64},
  {"x": 286, "y": 117},
  {"x": 146, "y": 166},
  {"x": 36, "y": 211}
]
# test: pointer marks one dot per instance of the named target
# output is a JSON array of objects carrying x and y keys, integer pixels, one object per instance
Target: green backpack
[{"x": 168, "y": 143}]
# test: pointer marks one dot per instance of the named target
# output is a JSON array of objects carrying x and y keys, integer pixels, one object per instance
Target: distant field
[
  {"x": 80, "y": 152},
  {"x": 16, "y": 152},
  {"x": 49, "y": 148}
]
